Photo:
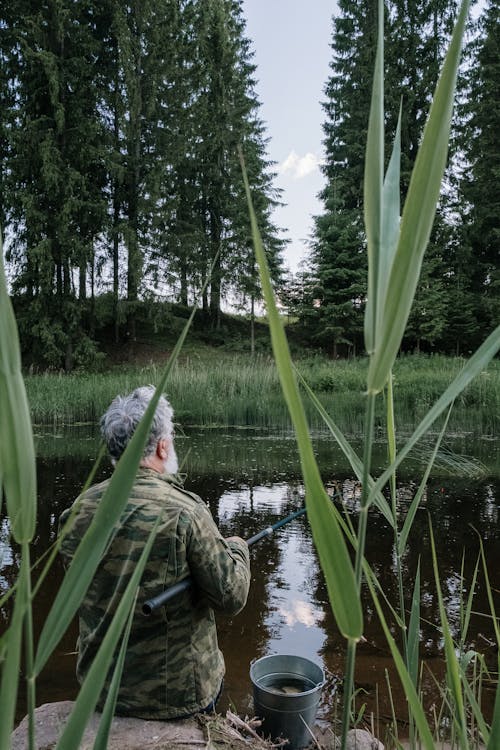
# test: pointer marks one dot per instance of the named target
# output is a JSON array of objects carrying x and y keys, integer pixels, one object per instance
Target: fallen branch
[{"x": 248, "y": 726}]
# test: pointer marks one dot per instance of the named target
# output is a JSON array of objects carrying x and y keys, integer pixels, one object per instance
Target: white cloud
[
  {"x": 302, "y": 612},
  {"x": 299, "y": 166}
]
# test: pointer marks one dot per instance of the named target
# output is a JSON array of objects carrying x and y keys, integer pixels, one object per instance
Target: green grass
[{"x": 227, "y": 391}]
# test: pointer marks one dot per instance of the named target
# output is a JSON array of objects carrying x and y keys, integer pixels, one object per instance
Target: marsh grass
[{"x": 236, "y": 392}]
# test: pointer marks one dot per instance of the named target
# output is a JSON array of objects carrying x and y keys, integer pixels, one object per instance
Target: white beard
[{"x": 171, "y": 463}]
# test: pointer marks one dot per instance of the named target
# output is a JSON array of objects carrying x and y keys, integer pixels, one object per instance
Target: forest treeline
[
  {"x": 120, "y": 182},
  {"x": 458, "y": 298}
]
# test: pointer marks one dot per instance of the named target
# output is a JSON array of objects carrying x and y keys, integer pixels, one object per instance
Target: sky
[{"x": 291, "y": 40}]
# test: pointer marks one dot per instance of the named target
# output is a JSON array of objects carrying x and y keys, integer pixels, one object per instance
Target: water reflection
[{"x": 250, "y": 482}]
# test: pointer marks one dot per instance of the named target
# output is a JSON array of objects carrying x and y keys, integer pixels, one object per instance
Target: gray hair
[{"x": 120, "y": 421}]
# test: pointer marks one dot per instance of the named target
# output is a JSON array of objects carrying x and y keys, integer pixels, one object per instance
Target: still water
[{"x": 249, "y": 482}]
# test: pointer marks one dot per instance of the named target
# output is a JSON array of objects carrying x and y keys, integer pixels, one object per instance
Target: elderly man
[{"x": 173, "y": 665}]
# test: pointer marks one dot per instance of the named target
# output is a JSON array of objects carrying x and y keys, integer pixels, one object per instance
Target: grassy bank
[{"x": 225, "y": 391}]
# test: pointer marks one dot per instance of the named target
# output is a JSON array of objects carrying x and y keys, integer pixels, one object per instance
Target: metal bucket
[{"x": 286, "y": 694}]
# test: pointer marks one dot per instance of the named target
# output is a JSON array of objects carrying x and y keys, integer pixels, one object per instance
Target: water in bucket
[{"x": 286, "y": 691}]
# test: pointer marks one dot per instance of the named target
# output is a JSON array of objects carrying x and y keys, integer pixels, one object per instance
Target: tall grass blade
[
  {"x": 476, "y": 710},
  {"x": 476, "y": 364},
  {"x": 11, "y": 665},
  {"x": 452, "y": 666},
  {"x": 29, "y": 647},
  {"x": 418, "y": 216},
  {"x": 90, "y": 550},
  {"x": 19, "y": 485},
  {"x": 96, "y": 676},
  {"x": 412, "y": 697},
  {"x": 494, "y": 741},
  {"x": 53, "y": 551},
  {"x": 373, "y": 186},
  {"x": 348, "y": 451},
  {"x": 102, "y": 736},
  {"x": 415, "y": 503},
  {"x": 414, "y": 630},
  {"x": 390, "y": 221},
  {"x": 465, "y": 614},
  {"x": 328, "y": 537},
  {"x": 391, "y": 445}
]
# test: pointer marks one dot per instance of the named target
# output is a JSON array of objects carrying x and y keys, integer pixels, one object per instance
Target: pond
[{"x": 252, "y": 480}]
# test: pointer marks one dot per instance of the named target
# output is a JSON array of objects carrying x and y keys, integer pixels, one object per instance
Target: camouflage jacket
[{"x": 173, "y": 665}]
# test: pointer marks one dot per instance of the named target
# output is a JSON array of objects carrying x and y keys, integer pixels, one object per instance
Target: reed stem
[
  {"x": 360, "y": 548},
  {"x": 29, "y": 652},
  {"x": 363, "y": 516},
  {"x": 348, "y": 690}
]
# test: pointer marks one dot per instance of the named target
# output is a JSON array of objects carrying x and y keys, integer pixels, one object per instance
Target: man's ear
[{"x": 162, "y": 449}]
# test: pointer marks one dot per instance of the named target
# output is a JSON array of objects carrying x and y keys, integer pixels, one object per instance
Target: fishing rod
[{"x": 177, "y": 588}]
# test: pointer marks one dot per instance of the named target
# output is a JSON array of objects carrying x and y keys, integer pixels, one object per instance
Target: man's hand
[{"x": 235, "y": 539}]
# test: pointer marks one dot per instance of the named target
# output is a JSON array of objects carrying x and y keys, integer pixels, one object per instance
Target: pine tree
[
  {"x": 338, "y": 256},
  {"x": 224, "y": 115},
  {"x": 55, "y": 199},
  {"x": 416, "y": 32},
  {"x": 480, "y": 234},
  {"x": 7, "y": 100},
  {"x": 140, "y": 68},
  {"x": 120, "y": 146}
]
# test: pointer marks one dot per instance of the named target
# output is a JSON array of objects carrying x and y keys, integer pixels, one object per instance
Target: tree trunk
[
  {"x": 183, "y": 297},
  {"x": 252, "y": 326},
  {"x": 82, "y": 278},
  {"x": 215, "y": 278}
]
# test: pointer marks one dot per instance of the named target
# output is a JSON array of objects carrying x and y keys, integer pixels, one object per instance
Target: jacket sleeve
[{"x": 221, "y": 570}]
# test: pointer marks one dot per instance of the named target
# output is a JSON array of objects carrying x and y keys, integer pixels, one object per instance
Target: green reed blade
[
  {"x": 91, "y": 548},
  {"x": 412, "y": 697},
  {"x": 17, "y": 452},
  {"x": 102, "y": 735},
  {"x": 415, "y": 503},
  {"x": 391, "y": 445},
  {"x": 52, "y": 551},
  {"x": 452, "y": 666},
  {"x": 475, "y": 365},
  {"x": 373, "y": 186},
  {"x": 327, "y": 535},
  {"x": 390, "y": 222},
  {"x": 494, "y": 741},
  {"x": 418, "y": 216},
  {"x": 476, "y": 710},
  {"x": 17, "y": 456},
  {"x": 10, "y": 356},
  {"x": 465, "y": 615},
  {"x": 357, "y": 465},
  {"x": 93, "y": 684},
  {"x": 11, "y": 665},
  {"x": 93, "y": 544},
  {"x": 414, "y": 631}
]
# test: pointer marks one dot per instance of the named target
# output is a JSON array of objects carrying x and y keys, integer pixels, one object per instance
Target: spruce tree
[
  {"x": 338, "y": 256},
  {"x": 416, "y": 33},
  {"x": 225, "y": 116},
  {"x": 480, "y": 232},
  {"x": 55, "y": 201},
  {"x": 121, "y": 166}
]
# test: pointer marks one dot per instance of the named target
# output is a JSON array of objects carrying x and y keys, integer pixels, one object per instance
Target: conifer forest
[{"x": 121, "y": 186}]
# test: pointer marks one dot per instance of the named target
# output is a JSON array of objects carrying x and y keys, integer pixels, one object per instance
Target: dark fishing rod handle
[{"x": 158, "y": 601}]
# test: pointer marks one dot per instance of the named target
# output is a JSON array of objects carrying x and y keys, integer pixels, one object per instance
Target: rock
[
  {"x": 126, "y": 733},
  {"x": 360, "y": 739}
]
